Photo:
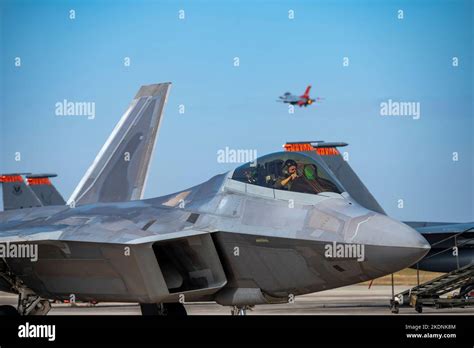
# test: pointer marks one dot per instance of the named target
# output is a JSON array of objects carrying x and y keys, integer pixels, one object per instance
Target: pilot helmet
[
  {"x": 310, "y": 172},
  {"x": 288, "y": 163}
]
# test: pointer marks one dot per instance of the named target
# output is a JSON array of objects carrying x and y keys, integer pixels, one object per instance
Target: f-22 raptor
[{"x": 290, "y": 223}]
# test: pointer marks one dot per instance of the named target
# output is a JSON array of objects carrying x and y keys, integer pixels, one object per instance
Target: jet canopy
[{"x": 310, "y": 174}]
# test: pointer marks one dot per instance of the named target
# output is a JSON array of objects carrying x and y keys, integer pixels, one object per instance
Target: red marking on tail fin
[
  {"x": 302, "y": 147},
  {"x": 327, "y": 151},
  {"x": 38, "y": 181},
  {"x": 306, "y": 93},
  {"x": 11, "y": 178},
  {"x": 298, "y": 147}
]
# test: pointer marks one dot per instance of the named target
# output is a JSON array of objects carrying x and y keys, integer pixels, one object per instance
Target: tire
[
  {"x": 168, "y": 309},
  {"x": 175, "y": 309},
  {"x": 465, "y": 290},
  {"x": 394, "y": 308},
  {"x": 8, "y": 311},
  {"x": 151, "y": 309}
]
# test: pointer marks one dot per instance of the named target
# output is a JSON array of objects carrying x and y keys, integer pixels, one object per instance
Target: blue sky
[{"x": 403, "y": 60}]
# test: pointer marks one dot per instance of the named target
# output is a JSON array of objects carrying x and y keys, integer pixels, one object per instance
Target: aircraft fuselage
[{"x": 222, "y": 240}]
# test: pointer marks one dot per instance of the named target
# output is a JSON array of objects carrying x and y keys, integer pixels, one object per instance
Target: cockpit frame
[{"x": 313, "y": 176}]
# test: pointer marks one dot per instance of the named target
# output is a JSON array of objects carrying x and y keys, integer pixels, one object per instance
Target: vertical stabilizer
[
  {"x": 16, "y": 194},
  {"x": 44, "y": 189},
  {"x": 119, "y": 171}
]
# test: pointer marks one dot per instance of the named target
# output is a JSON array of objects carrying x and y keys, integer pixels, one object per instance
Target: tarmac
[{"x": 349, "y": 300}]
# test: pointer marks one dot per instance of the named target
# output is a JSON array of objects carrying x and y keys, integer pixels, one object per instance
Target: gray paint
[
  {"x": 277, "y": 259},
  {"x": 222, "y": 240},
  {"x": 119, "y": 171}
]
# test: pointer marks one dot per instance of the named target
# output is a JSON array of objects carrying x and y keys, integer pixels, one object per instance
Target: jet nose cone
[{"x": 390, "y": 245}]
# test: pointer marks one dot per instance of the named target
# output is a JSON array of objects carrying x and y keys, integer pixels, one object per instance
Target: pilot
[
  {"x": 312, "y": 183},
  {"x": 309, "y": 181},
  {"x": 290, "y": 168}
]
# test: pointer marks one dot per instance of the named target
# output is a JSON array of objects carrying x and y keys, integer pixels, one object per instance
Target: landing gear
[
  {"x": 168, "y": 309},
  {"x": 395, "y": 304},
  {"x": 394, "y": 307},
  {"x": 240, "y": 310},
  {"x": 28, "y": 304},
  {"x": 9, "y": 311},
  {"x": 465, "y": 291},
  {"x": 31, "y": 304}
]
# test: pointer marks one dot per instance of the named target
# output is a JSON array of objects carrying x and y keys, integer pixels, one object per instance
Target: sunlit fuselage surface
[{"x": 239, "y": 239}]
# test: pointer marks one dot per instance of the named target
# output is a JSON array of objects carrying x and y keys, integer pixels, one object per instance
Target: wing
[
  {"x": 292, "y": 99},
  {"x": 443, "y": 237},
  {"x": 119, "y": 171},
  {"x": 443, "y": 234},
  {"x": 126, "y": 252},
  {"x": 440, "y": 227}
]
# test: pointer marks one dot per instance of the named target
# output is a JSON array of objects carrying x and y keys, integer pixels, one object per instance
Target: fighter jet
[
  {"x": 444, "y": 237},
  {"x": 269, "y": 230},
  {"x": 39, "y": 191},
  {"x": 303, "y": 100}
]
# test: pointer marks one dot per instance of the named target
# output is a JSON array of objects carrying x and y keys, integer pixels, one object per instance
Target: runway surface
[{"x": 350, "y": 300}]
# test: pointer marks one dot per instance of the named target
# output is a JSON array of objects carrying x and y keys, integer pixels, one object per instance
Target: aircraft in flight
[
  {"x": 302, "y": 100},
  {"x": 290, "y": 223}
]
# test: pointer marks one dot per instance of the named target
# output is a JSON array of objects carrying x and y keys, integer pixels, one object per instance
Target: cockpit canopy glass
[{"x": 290, "y": 171}]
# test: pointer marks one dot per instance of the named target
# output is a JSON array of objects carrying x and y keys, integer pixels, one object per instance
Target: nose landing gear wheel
[
  {"x": 8, "y": 311},
  {"x": 168, "y": 309}
]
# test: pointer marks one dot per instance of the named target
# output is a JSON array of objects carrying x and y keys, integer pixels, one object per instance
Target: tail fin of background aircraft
[
  {"x": 119, "y": 171},
  {"x": 341, "y": 168},
  {"x": 16, "y": 194},
  {"x": 44, "y": 189},
  {"x": 306, "y": 92}
]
